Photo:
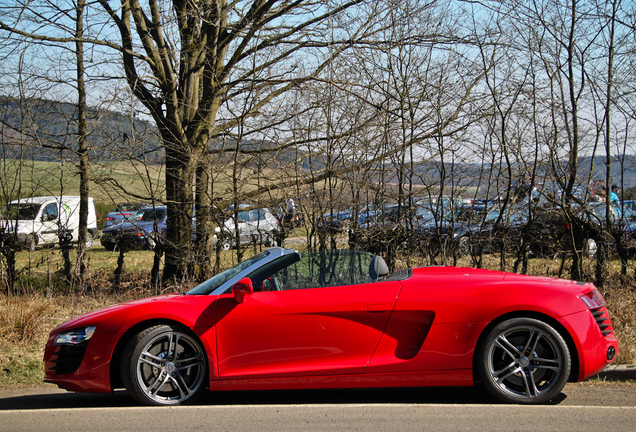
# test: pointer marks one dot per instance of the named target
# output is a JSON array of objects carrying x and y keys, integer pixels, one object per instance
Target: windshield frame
[{"x": 222, "y": 282}]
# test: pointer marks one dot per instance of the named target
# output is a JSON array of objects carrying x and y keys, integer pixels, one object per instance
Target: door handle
[{"x": 382, "y": 307}]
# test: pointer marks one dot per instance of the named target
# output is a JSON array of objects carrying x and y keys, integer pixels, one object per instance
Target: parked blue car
[
  {"x": 146, "y": 230},
  {"x": 124, "y": 212},
  {"x": 367, "y": 214}
]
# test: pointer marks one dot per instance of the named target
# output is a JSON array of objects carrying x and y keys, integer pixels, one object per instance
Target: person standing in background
[
  {"x": 291, "y": 213},
  {"x": 613, "y": 195}
]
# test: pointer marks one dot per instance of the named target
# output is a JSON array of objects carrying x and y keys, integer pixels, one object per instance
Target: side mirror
[{"x": 241, "y": 289}]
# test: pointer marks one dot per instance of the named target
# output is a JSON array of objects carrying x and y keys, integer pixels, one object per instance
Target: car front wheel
[
  {"x": 225, "y": 243},
  {"x": 271, "y": 239},
  {"x": 524, "y": 361},
  {"x": 31, "y": 242},
  {"x": 164, "y": 365},
  {"x": 89, "y": 240}
]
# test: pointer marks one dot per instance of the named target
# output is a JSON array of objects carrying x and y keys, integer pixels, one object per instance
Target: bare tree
[
  {"x": 201, "y": 54},
  {"x": 61, "y": 29}
]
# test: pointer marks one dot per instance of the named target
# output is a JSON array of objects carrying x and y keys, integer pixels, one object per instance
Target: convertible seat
[{"x": 378, "y": 269}]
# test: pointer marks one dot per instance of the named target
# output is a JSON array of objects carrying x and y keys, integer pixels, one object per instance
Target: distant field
[
  {"x": 111, "y": 182},
  {"x": 34, "y": 178},
  {"x": 116, "y": 182}
]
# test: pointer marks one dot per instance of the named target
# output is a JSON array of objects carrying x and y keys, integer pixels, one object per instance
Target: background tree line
[{"x": 334, "y": 103}]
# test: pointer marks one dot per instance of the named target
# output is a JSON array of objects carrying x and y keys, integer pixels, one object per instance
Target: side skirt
[{"x": 445, "y": 378}]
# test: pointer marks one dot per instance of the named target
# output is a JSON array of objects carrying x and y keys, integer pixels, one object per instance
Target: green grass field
[{"x": 110, "y": 182}]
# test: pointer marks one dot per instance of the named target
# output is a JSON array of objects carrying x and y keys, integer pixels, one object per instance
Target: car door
[
  {"x": 50, "y": 223},
  {"x": 299, "y": 332}
]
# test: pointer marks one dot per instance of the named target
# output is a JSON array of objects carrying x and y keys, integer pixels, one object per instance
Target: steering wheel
[{"x": 271, "y": 284}]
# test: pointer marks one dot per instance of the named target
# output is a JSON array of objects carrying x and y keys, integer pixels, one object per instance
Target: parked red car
[{"x": 337, "y": 319}]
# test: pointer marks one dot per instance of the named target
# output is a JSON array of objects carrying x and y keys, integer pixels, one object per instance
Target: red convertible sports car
[{"x": 337, "y": 319}]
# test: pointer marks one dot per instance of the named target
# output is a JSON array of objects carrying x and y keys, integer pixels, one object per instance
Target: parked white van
[{"x": 41, "y": 220}]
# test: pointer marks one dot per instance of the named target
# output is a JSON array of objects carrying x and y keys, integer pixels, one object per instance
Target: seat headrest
[{"x": 378, "y": 269}]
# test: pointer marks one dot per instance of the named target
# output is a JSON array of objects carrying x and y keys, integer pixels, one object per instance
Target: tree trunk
[{"x": 180, "y": 169}]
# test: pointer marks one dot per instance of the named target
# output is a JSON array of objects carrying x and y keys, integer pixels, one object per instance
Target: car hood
[{"x": 119, "y": 317}]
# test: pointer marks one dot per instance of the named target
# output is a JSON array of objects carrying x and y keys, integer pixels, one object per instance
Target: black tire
[
  {"x": 523, "y": 361},
  {"x": 271, "y": 239},
  {"x": 31, "y": 242},
  {"x": 225, "y": 243},
  {"x": 463, "y": 246},
  {"x": 154, "y": 373}
]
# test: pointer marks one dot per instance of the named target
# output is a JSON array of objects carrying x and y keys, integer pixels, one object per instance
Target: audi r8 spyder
[{"x": 337, "y": 319}]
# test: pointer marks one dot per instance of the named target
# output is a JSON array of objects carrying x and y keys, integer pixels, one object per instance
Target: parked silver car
[{"x": 255, "y": 226}]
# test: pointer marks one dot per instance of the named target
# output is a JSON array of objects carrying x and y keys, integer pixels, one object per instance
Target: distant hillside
[
  {"x": 43, "y": 130},
  {"x": 627, "y": 165}
]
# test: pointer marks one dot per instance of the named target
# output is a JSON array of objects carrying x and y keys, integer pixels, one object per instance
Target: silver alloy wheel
[
  {"x": 169, "y": 367},
  {"x": 225, "y": 243},
  {"x": 524, "y": 361},
  {"x": 590, "y": 248},
  {"x": 89, "y": 240},
  {"x": 463, "y": 246},
  {"x": 31, "y": 242},
  {"x": 271, "y": 239}
]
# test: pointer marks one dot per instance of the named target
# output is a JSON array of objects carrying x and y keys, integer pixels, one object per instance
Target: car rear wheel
[
  {"x": 164, "y": 365},
  {"x": 590, "y": 247},
  {"x": 271, "y": 239},
  {"x": 463, "y": 246},
  {"x": 524, "y": 361}
]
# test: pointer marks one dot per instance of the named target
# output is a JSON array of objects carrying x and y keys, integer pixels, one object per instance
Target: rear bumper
[{"x": 595, "y": 351}]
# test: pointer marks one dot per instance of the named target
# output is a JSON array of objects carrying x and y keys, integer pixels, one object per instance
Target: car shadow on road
[{"x": 429, "y": 395}]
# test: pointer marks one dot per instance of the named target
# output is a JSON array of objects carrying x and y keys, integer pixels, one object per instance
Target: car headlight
[{"x": 74, "y": 337}]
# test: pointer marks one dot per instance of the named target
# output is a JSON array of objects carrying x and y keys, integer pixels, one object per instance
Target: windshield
[
  {"x": 323, "y": 268},
  {"x": 216, "y": 281},
  {"x": 20, "y": 211}
]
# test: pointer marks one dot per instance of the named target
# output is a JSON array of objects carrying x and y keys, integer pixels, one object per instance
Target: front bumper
[{"x": 81, "y": 368}]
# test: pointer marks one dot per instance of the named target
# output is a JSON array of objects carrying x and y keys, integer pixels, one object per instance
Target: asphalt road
[{"x": 589, "y": 406}]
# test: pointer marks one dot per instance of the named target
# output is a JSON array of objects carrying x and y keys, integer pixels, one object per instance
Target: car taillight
[
  {"x": 593, "y": 299},
  {"x": 109, "y": 218},
  {"x": 596, "y": 304}
]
